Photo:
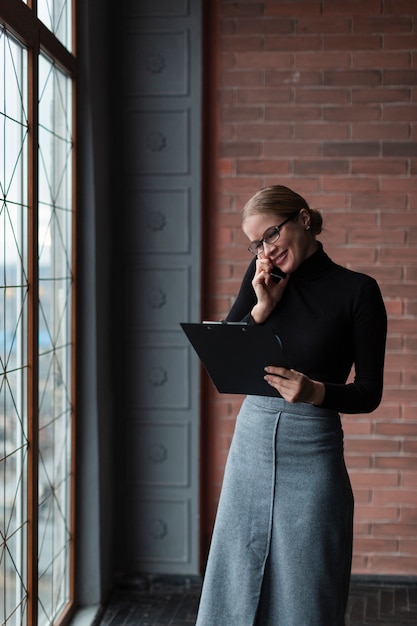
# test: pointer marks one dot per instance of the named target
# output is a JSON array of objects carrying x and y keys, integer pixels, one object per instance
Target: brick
[
  {"x": 409, "y": 479},
  {"x": 353, "y": 7},
  {"x": 263, "y": 131},
  {"x": 294, "y": 43},
  {"x": 351, "y": 149},
  {"x": 409, "y": 515},
  {"x": 405, "y": 565},
  {"x": 242, "y": 9},
  {"x": 236, "y": 149},
  {"x": 289, "y": 149},
  {"x": 411, "y": 308},
  {"x": 295, "y": 7},
  {"x": 382, "y": 95},
  {"x": 263, "y": 27},
  {"x": 395, "y": 496},
  {"x": 399, "y": 255},
  {"x": 291, "y": 113},
  {"x": 321, "y": 60},
  {"x": 245, "y": 44},
  {"x": 246, "y": 186},
  {"x": 264, "y": 96},
  {"x": 379, "y": 167},
  {"x": 306, "y": 167},
  {"x": 359, "y": 564},
  {"x": 376, "y": 513},
  {"x": 278, "y": 77},
  {"x": 395, "y": 462},
  {"x": 242, "y": 113},
  {"x": 401, "y": 360},
  {"x": 408, "y": 546},
  {"x": 362, "y": 219},
  {"x": 320, "y": 130},
  {"x": 375, "y": 237},
  {"x": 410, "y": 445},
  {"x": 393, "y": 530},
  {"x": 399, "y": 7},
  {"x": 412, "y": 237},
  {"x": 356, "y": 427},
  {"x": 361, "y": 528},
  {"x": 355, "y": 461},
  {"x": 266, "y": 166},
  {"x": 224, "y": 166},
  {"x": 382, "y": 24},
  {"x": 402, "y": 219},
  {"x": 398, "y": 131},
  {"x": 309, "y": 25},
  {"x": 352, "y": 42},
  {"x": 381, "y": 59},
  {"x": 379, "y": 201},
  {"x": 396, "y": 428},
  {"x": 241, "y": 78},
  {"x": 399, "y": 112},
  {"x": 362, "y": 496},
  {"x": 399, "y": 42},
  {"x": 305, "y": 186},
  {"x": 410, "y": 342},
  {"x": 373, "y": 479},
  {"x": 394, "y": 148},
  {"x": 353, "y": 77},
  {"x": 349, "y": 113},
  {"x": 371, "y": 445},
  {"x": 372, "y": 544},
  {"x": 357, "y": 184},
  {"x": 263, "y": 60},
  {"x": 402, "y": 325},
  {"x": 305, "y": 95}
]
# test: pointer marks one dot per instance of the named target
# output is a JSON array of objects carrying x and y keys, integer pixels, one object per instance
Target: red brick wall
[{"x": 320, "y": 95}]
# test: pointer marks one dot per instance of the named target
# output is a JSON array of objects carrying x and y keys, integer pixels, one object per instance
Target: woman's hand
[
  {"x": 294, "y": 386},
  {"x": 268, "y": 292}
]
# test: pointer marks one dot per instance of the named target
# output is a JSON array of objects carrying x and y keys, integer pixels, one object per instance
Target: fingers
[{"x": 293, "y": 386}]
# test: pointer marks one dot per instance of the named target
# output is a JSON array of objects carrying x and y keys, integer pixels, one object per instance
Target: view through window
[{"x": 36, "y": 315}]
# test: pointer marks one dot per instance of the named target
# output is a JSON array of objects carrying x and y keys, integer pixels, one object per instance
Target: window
[{"x": 36, "y": 312}]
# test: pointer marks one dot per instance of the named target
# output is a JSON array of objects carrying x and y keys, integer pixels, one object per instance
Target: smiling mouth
[{"x": 281, "y": 257}]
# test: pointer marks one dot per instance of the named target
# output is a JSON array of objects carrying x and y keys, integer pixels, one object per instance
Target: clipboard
[{"x": 235, "y": 355}]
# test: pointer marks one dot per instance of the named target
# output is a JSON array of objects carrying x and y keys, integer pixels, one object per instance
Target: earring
[{"x": 308, "y": 227}]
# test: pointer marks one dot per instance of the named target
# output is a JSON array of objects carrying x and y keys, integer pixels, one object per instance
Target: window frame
[{"x": 21, "y": 21}]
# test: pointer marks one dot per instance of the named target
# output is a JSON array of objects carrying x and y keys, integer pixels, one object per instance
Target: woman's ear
[{"x": 305, "y": 218}]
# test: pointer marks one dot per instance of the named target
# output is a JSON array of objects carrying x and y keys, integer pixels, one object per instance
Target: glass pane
[
  {"x": 55, "y": 341},
  {"x": 56, "y": 15},
  {"x": 13, "y": 330}
]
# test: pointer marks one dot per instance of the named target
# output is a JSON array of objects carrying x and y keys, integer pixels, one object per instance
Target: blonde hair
[{"x": 282, "y": 202}]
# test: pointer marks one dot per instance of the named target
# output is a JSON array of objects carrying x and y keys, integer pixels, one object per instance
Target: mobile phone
[{"x": 277, "y": 274}]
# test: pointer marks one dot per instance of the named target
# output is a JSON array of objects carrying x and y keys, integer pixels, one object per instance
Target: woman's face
[{"x": 295, "y": 243}]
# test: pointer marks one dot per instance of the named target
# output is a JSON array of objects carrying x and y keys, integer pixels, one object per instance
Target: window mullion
[{"x": 33, "y": 335}]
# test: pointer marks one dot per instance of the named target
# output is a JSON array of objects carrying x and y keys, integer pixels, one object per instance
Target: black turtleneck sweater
[{"x": 328, "y": 319}]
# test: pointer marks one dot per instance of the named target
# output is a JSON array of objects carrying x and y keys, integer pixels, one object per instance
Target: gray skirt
[{"x": 281, "y": 548}]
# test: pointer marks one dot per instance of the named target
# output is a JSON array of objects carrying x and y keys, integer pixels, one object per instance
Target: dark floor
[{"x": 173, "y": 601}]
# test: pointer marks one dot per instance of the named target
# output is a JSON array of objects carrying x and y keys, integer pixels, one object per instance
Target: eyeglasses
[{"x": 271, "y": 236}]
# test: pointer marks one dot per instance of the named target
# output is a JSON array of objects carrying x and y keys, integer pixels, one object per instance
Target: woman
[{"x": 282, "y": 543}]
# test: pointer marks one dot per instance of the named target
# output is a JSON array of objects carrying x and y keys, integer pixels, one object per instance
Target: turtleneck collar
[{"x": 314, "y": 266}]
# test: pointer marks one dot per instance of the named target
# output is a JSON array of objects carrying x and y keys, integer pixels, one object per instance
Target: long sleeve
[
  {"x": 329, "y": 319},
  {"x": 246, "y": 298}
]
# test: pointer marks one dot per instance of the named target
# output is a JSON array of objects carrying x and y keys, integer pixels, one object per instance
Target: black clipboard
[{"x": 235, "y": 355}]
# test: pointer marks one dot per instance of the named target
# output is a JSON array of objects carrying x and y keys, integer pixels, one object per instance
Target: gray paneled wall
[{"x": 161, "y": 163}]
